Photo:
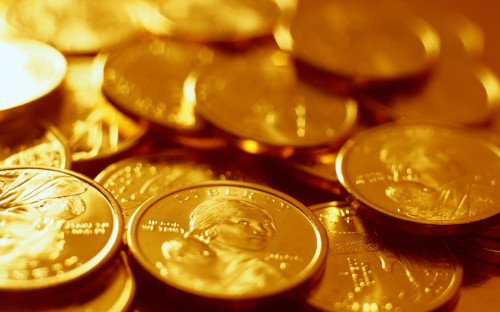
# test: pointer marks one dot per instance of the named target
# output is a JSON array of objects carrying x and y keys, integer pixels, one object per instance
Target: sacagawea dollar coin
[
  {"x": 228, "y": 241},
  {"x": 56, "y": 227},
  {"x": 367, "y": 267},
  {"x": 427, "y": 178}
]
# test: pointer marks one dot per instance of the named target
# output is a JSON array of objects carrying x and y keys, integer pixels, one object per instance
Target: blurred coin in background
[{"x": 73, "y": 27}]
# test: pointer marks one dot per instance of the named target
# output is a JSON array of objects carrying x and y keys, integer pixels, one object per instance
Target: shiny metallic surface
[
  {"x": 57, "y": 226},
  {"x": 436, "y": 176},
  {"x": 266, "y": 103},
  {"x": 371, "y": 270},
  {"x": 228, "y": 240},
  {"x": 134, "y": 180},
  {"x": 39, "y": 145}
]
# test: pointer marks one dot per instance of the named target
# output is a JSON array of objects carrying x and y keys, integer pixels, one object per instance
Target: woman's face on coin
[{"x": 248, "y": 229}]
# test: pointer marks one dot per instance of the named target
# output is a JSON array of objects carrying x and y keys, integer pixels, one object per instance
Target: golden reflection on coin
[
  {"x": 230, "y": 241},
  {"x": 265, "y": 106},
  {"x": 425, "y": 177},
  {"x": 94, "y": 128},
  {"x": 370, "y": 270},
  {"x": 29, "y": 70},
  {"x": 73, "y": 27},
  {"x": 361, "y": 40},
  {"x": 213, "y": 21},
  {"x": 147, "y": 79},
  {"x": 460, "y": 36},
  {"x": 134, "y": 180},
  {"x": 39, "y": 144},
  {"x": 456, "y": 92},
  {"x": 56, "y": 226}
]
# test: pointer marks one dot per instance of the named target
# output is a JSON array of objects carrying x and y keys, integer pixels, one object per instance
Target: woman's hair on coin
[{"x": 214, "y": 211}]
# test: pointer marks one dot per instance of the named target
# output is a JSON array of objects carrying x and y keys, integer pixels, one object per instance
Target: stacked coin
[{"x": 245, "y": 155}]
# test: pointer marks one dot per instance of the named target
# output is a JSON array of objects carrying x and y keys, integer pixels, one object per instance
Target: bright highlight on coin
[
  {"x": 73, "y": 27},
  {"x": 29, "y": 70}
]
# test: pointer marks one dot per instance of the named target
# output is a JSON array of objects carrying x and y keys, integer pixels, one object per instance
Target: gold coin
[
  {"x": 214, "y": 21},
  {"x": 73, "y": 27},
  {"x": 458, "y": 92},
  {"x": 132, "y": 181},
  {"x": 360, "y": 40},
  {"x": 94, "y": 128},
  {"x": 372, "y": 270},
  {"x": 147, "y": 80},
  {"x": 30, "y": 70},
  {"x": 423, "y": 177},
  {"x": 460, "y": 36},
  {"x": 56, "y": 227},
  {"x": 39, "y": 144},
  {"x": 228, "y": 241},
  {"x": 266, "y": 108},
  {"x": 112, "y": 289}
]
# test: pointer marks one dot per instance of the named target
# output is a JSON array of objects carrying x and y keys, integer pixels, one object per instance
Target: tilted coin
[
  {"x": 371, "y": 270},
  {"x": 228, "y": 241},
  {"x": 73, "y": 27},
  {"x": 93, "y": 127},
  {"x": 267, "y": 109},
  {"x": 134, "y": 180},
  {"x": 359, "y": 40},
  {"x": 40, "y": 144},
  {"x": 458, "y": 92},
  {"x": 147, "y": 80},
  {"x": 215, "y": 21},
  {"x": 30, "y": 70},
  {"x": 423, "y": 177},
  {"x": 56, "y": 227}
]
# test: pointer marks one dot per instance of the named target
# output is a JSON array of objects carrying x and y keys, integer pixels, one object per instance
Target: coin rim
[
  {"x": 102, "y": 257},
  {"x": 421, "y": 226},
  {"x": 314, "y": 268}
]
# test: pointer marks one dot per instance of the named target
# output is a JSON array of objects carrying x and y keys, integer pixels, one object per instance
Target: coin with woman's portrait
[
  {"x": 56, "y": 226},
  {"x": 227, "y": 240}
]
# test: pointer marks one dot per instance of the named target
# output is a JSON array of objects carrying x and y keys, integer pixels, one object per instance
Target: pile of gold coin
[{"x": 244, "y": 155}]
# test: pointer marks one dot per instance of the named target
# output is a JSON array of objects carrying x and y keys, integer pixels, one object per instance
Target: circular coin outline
[
  {"x": 102, "y": 257},
  {"x": 307, "y": 275},
  {"x": 389, "y": 213}
]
